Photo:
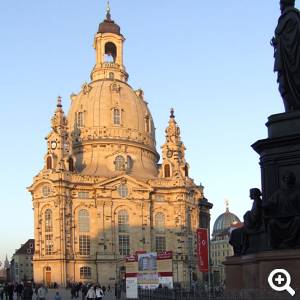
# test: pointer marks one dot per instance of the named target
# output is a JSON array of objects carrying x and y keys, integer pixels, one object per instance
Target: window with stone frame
[
  {"x": 160, "y": 244},
  {"x": 116, "y": 116},
  {"x": 83, "y": 195},
  {"x": 188, "y": 220},
  {"x": 49, "y": 162},
  {"x": 48, "y": 221},
  {"x": 123, "y": 190},
  {"x": 85, "y": 273},
  {"x": 80, "y": 119},
  {"x": 167, "y": 170},
  {"x": 124, "y": 245},
  {"x": 46, "y": 190},
  {"x": 71, "y": 164},
  {"x": 120, "y": 163},
  {"x": 83, "y": 221},
  {"x": 123, "y": 221},
  {"x": 160, "y": 223},
  {"x": 111, "y": 75},
  {"x": 84, "y": 245},
  {"x": 49, "y": 244},
  {"x": 147, "y": 123}
]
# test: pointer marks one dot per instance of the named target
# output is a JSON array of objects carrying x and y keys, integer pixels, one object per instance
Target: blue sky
[{"x": 210, "y": 60}]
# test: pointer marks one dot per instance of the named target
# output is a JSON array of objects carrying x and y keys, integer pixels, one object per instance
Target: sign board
[
  {"x": 149, "y": 269},
  {"x": 131, "y": 288}
]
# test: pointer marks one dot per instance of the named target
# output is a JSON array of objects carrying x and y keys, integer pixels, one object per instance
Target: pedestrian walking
[
  {"x": 19, "y": 290},
  {"x": 42, "y": 292},
  {"x": 10, "y": 291},
  {"x": 73, "y": 291},
  {"x": 27, "y": 292},
  {"x": 99, "y": 292},
  {"x": 84, "y": 290},
  {"x": 57, "y": 296},
  {"x": 91, "y": 295}
]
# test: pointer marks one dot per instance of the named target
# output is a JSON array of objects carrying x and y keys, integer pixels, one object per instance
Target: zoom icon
[{"x": 280, "y": 280}]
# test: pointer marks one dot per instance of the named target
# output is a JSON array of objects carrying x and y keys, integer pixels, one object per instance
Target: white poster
[
  {"x": 166, "y": 282},
  {"x": 131, "y": 288}
]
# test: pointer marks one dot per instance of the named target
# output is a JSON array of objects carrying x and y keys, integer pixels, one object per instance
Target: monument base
[
  {"x": 280, "y": 152},
  {"x": 247, "y": 275}
]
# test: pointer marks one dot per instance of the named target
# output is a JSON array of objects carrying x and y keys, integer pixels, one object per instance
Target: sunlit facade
[{"x": 102, "y": 194}]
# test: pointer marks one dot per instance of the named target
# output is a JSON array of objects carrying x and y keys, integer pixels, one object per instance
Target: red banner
[{"x": 202, "y": 249}]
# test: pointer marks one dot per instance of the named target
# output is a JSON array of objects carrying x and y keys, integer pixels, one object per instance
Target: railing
[
  {"x": 178, "y": 294},
  {"x": 110, "y": 65},
  {"x": 200, "y": 294}
]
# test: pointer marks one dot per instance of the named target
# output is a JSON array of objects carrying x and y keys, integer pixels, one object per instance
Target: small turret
[
  {"x": 58, "y": 155},
  {"x": 173, "y": 152}
]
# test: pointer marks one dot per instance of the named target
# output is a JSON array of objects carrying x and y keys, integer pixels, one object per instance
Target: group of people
[
  {"x": 88, "y": 291},
  {"x": 23, "y": 291}
]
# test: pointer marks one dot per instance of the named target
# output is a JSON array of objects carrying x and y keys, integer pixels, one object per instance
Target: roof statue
[{"x": 286, "y": 43}]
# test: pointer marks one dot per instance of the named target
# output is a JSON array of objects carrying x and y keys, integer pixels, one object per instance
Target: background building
[
  {"x": 219, "y": 245},
  {"x": 4, "y": 270},
  {"x": 21, "y": 264},
  {"x": 101, "y": 194}
]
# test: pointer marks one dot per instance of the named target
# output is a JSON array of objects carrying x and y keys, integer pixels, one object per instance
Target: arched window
[
  {"x": 186, "y": 171},
  {"x": 147, "y": 123},
  {"x": 120, "y": 163},
  {"x": 48, "y": 221},
  {"x": 123, "y": 228},
  {"x": 111, "y": 75},
  {"x": 160, "y": 223},
  {"x": 71, "y": 164},
  {"x": 83, "y": 221},
  {"x": 123, "y": 221},
  {"x": 85, "y": 273},
  {"x": 84, "y": 227},
  {"x": 167, "y": 171},
  {"x": 80, "y": 119},
  {"x": 117, "y": 116},
  {"x": 48, "y": 232},
  {"x": 110, "y": 52},
  {"x": 49, "y": 162}
]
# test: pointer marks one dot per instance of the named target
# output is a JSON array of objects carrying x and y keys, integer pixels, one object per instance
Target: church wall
[
  {"x": 57, "y": 271},
  {"x": 94, "y": 141}
]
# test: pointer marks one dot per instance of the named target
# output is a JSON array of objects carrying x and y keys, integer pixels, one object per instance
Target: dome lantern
[{"x": 108, "y": 44}]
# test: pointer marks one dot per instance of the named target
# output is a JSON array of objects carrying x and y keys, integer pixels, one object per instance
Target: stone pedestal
[
  {"x": 247, "y": 275},
  {"x": 280, "y": 152}
]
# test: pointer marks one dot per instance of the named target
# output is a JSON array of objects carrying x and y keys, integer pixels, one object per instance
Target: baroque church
[{"x": 102, "y": 193}]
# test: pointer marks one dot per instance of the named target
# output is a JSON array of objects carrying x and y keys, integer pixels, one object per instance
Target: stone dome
[
  {"x": 224, "y": 221},
  {"x": 98, "y": 138},
  {"x": 109, "y": 26}
]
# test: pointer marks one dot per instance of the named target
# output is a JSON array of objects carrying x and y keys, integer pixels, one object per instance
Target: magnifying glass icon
[{"x": 280, "y": 280}]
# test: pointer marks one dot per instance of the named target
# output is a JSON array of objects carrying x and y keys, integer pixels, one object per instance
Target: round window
[{"x": 123, "y": 190}]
